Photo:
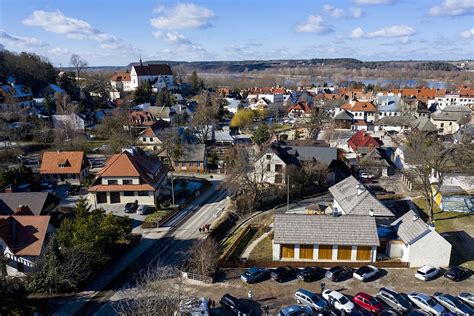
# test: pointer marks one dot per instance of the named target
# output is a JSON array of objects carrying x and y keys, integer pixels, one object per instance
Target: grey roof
[
  {"x": 36, "y": 201},
  {"x": 325, "y": 230},
  {"x": 324, "y": 155},
  {"x": 400, "y": 120},
  {"x": 423, "y": 124},
  {"x": 343, "y": 115},
  {"x": 222, "y": 136},
  {"x": 388, "y": 103},
  {"x": 193, "y": 153},
  {"x": 410, "y": 227},
  {"x": 459, "y": 114},
  {"x": 357, "y": 203},
  {"x": 375, "y": 158},
  {"x": 163, "y": 112}
]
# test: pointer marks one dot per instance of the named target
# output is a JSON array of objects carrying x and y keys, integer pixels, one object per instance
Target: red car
[{"x": 368, "y": 303}]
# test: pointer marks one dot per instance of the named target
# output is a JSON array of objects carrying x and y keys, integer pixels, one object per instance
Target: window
[
  {"x": 112, "y": 182},
  {"x": 144, "y": 139},
  {"x": 278, "y": 178},
  {"x": 142, "y": 193},
  {"x": 128, "y": 193},
  {"x": 128, "y": 181},
  {"x": 278, "y": 168},
  {"x": 269, "y": 156},
  {"x": 287, "y": 251},
  {"x": 268, "y": 167},
  {"x": 198, "y": 164},
  {"x": 442, "y": 125},
  {"x": 306, "y": 251}
]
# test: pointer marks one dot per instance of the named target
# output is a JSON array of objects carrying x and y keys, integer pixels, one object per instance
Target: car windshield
[
  {"x": 454, "y": 300},
  {"x": 363, "y": 270},
  {"x": 307, "y": 270},
  {"x": 253, "y": 271},
  {"x": 421, "y": 272},
  {"x": 314, "y": 298},
  {"x": 343, "y": 300},
  {"x": 374, "y": 301},
  {"x": 400, "y": 298},
  {"x": 431, "y": 302}
]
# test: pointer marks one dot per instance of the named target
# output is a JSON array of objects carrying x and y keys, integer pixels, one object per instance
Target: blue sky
[{"x": 107, "y": 32}]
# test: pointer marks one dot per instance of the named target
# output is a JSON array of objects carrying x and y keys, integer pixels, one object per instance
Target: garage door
[
  {"x": 288, "y": 251},
  {"x": 306, "y": 251},
  {"x": 344, "y": 252},
  {"x": 364, "y": 253},
  {"x": 325, "y": 252}
]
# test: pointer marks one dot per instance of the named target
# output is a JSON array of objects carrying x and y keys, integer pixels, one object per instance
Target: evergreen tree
[{"x": 261, "y": 134}]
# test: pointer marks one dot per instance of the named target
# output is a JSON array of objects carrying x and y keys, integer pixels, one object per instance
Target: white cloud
[
  {"x": 172, "y": 37},
  {"x": 58, "y": 51},
  {"x": 183, "y": 15},
  {"x": 468, "y": 33},
  {"x": 354, "y": 12},
  {"x": 453, "y": 8},
  {"x": 314, "y": 24},
  {"x": 371, "y": 2},
  {"x": 389, "y": 31},
  {"x": 20, "y": 41}
]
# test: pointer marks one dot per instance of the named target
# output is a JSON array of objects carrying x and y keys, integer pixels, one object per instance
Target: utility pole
[
  {"x": 172, "y": 188},
  {"x": 288, "y": 194}
]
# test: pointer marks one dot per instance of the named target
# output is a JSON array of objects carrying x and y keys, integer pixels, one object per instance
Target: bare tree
[
  {"x": 206, "y": 116},
  {"x": 203, "y": 259},
  {"x": 159, "y": 291},
  {"x": 315, "y": 122},
  {"x": 79, "y": 64},
  {"x": 171, "y": 143},
  {"x": 63, "y": 104}
]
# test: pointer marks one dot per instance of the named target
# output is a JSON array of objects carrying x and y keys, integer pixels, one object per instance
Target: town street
[{"x": 169, "y": 246}]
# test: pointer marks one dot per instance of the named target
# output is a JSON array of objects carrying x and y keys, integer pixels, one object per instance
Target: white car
[
  {"x": 364, "y": 273},
  {"x": 338, "y": 300},
  {"x": 426, "y": 273},
  {"x": 467, "y": 298},
  {"x": 426, "y": 303}
]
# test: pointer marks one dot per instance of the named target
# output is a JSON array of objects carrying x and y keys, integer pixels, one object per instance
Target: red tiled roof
[
  {"x": 24, "y": 234},
  {"x": 121, "y": 76},
  {"x": 362, "y": 139},
  {"x": 360, "y": 106},
  {"x": 62, "y": 162},
  {"x": 302, "y": 106}
]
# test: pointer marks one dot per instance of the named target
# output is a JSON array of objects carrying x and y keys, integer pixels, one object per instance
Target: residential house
[
  {"x": 397, "y": 124},
  {"x": 129, "y": 176},
  {"x": 389, "y": 105},
  {"x": 121, "y": 81},
  {"x": 163, "y": 112},
  {"x": 71, "y": 121},
  {"x": 151, "y": 138},
  {"x": 299, "y": 110},
  {"x": 343, "y": 120},
  {"x": 303, "y": 237},
  {"x": 141, "y": 119},
  {"x": 423, "y": 124},
  {"x": 362, "y": 143},
  {"x": 64, "y": 166},
  {"x": 39, "y": 203},
  {"x": 418, "y": 243},
  {"x": 450, "y": 119},
  {"x": 404, "y": 157},
  {"x": 52, "y": 90},
  {"x": 192, "y": 159},
  {"x": 375, "y": 163},
  {"x": 23, "y": 241},
  {"x": 364, "y": 113},
  {"x": 159, "y": 76},
  {"x": 15, "y": 96}
]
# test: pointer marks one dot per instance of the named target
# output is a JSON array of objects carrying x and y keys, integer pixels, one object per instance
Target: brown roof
[
  {"x": 24, "y": 234},
  {"x": 121, "y": 187},
  {"x": 121, "y": 76},
  {"x": 153, "y": 70},
  {"x": 360, "y": 106},
  {"x": 62, "y": 162}
]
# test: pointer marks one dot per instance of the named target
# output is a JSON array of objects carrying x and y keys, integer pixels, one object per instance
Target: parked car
[
  {"x": 388, "y": 312},
  {"x": 394, "y": 300},
  {"x": 234, "y": 305},
  {"x": 296, "y": 310},
  {"x": 467, "y": 298},
  {"x": 361, "y": 312},
  {"x": 426, "y": 273},
  {"x": 368, "y": 302},
  {"x": 74, "y": 190},
  {"x": 457, "y": 273},
  {"x": 338, "y": 301},
  {"x": 309, "y": 274},
  {"x": 145, "y": 209},
  {"x": 426, "y": 303},
  {"x": 453, "y": 304},
  {"x": 310, "y": 299},
  {"x": 418, "y": 312},
  {"x": 281, "y": 274},
  {"x": 338, "y": 273},
  {"x": 365, "y": 273},
  {"x": 254, "y": 275},
  {"x": 366, "y": 175},
  {"x": 131, "y": 207}
]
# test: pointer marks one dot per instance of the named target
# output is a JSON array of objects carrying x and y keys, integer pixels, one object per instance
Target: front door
[
  {"x": 101, "y": 197},
  {"x": 114, "y": 197}
]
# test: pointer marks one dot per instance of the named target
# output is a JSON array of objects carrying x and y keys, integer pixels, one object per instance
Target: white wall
[{"x": 431, "y": 249}]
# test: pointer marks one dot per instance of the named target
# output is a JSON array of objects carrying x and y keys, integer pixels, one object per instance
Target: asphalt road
[{"x": 170, "y": 249}]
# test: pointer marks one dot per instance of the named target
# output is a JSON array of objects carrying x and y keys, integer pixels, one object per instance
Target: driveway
[{"x": 119, "y": 210}]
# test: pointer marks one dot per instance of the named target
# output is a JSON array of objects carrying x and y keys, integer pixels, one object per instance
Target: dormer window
[{"x": 64, "y": 164}]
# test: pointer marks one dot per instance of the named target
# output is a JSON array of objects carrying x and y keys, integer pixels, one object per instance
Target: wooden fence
[{"x": 197, "y": 277}]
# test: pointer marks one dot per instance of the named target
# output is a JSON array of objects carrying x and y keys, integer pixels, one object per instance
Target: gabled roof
[
  {"x": 324, "y": 155},
  {"x": 36, "y": 201},
  {"x": 154, "y": 129},
  {"x": 355, "y": 199},
  {"x": 24, "y": 234},
  {"x": 361, "y": 139},
  {"x": 193, "y": 153},
  {"x": 62, "y": 162},
  {"x": 359, "y": 106},
  {"x": 301, "y": 106},
  {"x": 458, "y": 114},
  {"x": 153, "y": 70},
  {"x": 374, "y": 158},
  {"x": 351, "y": 230},
  {"x": 410, "y": 227},
  {"x": 344, "y": 115},
  {"x": 121, "y": 76},
  {"x": 399, "y": 120},
  {"x": 423, "y": 124}
]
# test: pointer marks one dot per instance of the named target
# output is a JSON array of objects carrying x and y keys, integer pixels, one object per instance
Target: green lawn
[
  {"x": 153, "y": 217},
  {"x": 458, "y": 229}
]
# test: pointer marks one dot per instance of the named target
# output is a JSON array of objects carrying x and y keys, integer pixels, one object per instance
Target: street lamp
[{"x": 172, "y": 188}]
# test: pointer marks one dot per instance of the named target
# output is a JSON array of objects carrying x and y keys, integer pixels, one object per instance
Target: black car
[
  {"x": 131, "y": 207},
  {"x": 235, "y": 305},
  {"x": 394, "y": 299},
  {"x": 339, "y": 273},
  {"x": 254, "y": 275},
  {"x": 74, "y": 190},
  {"x": 457, "y": 273},
  {"x": 282, "y": 273},
  {"x": 309, "y": 274}
]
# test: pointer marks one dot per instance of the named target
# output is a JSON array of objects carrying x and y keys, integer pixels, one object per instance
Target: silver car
[
  {"x": 426, "y": 303},
  {"x": 310, "y": 299},
  {"x": 454, "y": 304}
]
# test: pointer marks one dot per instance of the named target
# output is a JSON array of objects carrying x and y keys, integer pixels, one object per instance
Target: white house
[
  {"x": 418, "y": 243},
  {"x": 157, "y": 75},
  {"x": 450, "y": 119},
  {"x": 70, "y": 121}
]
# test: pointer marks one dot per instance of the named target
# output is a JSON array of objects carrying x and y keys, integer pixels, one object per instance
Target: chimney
[
  {"x": 415, "y": 217},
  {"x": 360, "y": 189},
  {"x": 371, "y": 212}
]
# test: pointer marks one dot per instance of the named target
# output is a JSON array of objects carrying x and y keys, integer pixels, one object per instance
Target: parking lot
[{"x": 278, "y": 295}]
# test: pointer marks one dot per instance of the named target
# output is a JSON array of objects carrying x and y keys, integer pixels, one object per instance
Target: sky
[{"x": 115, "y": 33}]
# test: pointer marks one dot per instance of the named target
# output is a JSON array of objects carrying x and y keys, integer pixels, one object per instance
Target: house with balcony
[
  {"x": 129, "y": 176},
  {"x": 64, "y": 166}
]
